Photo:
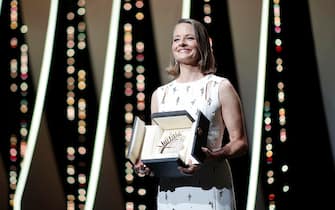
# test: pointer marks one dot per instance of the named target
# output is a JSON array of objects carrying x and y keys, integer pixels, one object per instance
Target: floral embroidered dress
[{"x": 211, "y": 187}]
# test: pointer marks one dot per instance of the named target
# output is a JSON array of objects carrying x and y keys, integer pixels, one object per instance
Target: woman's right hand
[{"x": 141, "y": 169}]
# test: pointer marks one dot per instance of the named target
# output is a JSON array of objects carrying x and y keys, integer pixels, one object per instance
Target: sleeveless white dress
[{"x": 211, "y": 187}]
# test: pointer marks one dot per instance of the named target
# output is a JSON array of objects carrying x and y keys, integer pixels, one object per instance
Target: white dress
[{"x": 211, "y": 187}]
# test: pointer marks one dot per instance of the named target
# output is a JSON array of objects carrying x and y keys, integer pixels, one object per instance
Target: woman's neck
[{"x": 189, "y": 73}]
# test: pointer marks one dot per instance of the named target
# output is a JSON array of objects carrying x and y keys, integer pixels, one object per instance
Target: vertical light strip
[
  {"x": 0, "y": 6},
  {"x": 39, "y": 104},
  {"x": 104, "y": 105},
  {"x": 256, "y": 143},
  {"x": 186, "y": 10}
]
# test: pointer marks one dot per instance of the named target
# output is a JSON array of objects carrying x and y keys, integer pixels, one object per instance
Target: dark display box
[{"x": 173, "y": 139}]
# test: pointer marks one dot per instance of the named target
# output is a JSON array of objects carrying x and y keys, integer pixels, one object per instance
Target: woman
[{"x": 196, "y": 87}]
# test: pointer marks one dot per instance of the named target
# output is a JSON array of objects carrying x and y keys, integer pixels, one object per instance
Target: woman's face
[{"x": 184, "y": 44}]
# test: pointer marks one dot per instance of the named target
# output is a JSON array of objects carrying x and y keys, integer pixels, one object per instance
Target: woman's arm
[{"x": 233, "y": 118}]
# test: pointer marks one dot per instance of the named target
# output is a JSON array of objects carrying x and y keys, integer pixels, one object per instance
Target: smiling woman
[{"x": 196, "y": 88}]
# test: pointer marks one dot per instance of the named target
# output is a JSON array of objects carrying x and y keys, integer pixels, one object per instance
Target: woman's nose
[{"x": 182, "y": 42}]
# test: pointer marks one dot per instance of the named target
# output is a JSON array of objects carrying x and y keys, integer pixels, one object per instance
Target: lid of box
[
  {"x": 136, "y": 141},
  {"x": 173, "y": 119}
]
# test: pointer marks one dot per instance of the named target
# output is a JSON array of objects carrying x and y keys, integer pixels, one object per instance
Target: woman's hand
[
  {"x": 219, "y": 154},
  {"x": 141, "y": 169},
  {"x": 189, "y": 169}
]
